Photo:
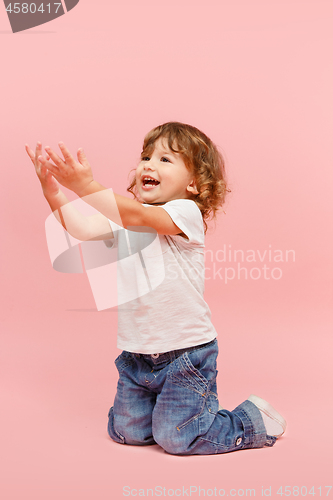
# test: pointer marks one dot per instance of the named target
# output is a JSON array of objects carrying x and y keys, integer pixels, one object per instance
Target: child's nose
[{"x": 149, "y": 165}]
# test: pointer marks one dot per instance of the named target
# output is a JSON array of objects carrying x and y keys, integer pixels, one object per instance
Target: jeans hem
[{"x": 255, "y": 434}]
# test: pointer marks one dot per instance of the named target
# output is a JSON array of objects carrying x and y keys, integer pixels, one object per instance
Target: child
[{"x": 166, "y": 392}]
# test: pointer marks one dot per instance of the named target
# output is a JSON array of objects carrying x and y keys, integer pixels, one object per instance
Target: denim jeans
[{"x": 171, "y": 399}]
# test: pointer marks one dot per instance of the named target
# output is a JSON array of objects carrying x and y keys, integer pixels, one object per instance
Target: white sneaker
[{"x": 274, "y": 422}]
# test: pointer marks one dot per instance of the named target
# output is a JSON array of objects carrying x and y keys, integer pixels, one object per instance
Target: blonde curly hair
[{"x": 200, "y": 156}]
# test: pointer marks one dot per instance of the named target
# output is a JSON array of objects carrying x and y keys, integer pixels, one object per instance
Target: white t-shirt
[{"x": 160, "y": 284}]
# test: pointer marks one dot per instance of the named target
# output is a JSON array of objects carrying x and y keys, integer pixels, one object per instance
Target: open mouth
[{"x": 149, "y": 183}]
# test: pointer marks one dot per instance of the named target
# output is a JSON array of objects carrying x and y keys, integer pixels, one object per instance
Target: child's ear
[{"x": 192, "y": 188}]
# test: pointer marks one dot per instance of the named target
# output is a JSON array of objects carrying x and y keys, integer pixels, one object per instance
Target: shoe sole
[{"x": 271, "y": 412}]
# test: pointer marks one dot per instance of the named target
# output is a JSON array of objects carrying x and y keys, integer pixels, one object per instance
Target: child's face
[{"x": 172, "y": 180}]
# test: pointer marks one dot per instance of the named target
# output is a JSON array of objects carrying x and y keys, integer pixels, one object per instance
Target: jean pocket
[
  {"x": 123, "y": 360},
  {"x": 183, "y": 374},
  {"x": 193, "y": 389}
]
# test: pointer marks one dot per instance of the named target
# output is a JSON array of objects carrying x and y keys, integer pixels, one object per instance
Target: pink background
[{"x": 257, "y": 77}]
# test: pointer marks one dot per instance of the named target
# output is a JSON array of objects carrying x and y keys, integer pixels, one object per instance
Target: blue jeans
[{"x": 171, "y": 399}]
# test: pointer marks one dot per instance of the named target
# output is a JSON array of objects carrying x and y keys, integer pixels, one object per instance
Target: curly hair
[{"x": 201, "y": 157}]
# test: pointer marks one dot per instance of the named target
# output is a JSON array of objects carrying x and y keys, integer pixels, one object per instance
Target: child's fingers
[
  {"x": 32, "y": 156},
  {"x": 67, "y": 156},
  {"x": 57, "y": 160},
  {"x": 30, "y": 152},
  {"x": 38, "y": 151},
  {"x": 53, "y": 168},
  {"x": 47, "y": 176},
  {"x": 49, "y": 182},
  {"x": 43, "y": 172},
  {"x": 52, "y": 179},
  {"x": 81, "y": 156},
  {"x": 28, "y": 149}
]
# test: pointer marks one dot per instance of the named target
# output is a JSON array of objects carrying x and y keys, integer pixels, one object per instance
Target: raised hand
[
  {"x": 49, "y": 184},
  {"x": 74, "y": 175}
]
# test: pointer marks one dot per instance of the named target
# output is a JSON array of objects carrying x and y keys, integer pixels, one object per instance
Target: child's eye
[{"x": 164, "y": 159}]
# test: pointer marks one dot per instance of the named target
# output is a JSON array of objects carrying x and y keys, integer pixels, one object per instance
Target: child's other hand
[
  {"x": 74, "y": 175},
  {"x": 49, "y": 184}
]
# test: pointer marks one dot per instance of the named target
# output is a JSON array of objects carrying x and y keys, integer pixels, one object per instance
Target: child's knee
[
  {"x": 130, "y": 434},
  {"x": 111, "y": 430},
  {"x": 171, "y": 442}
]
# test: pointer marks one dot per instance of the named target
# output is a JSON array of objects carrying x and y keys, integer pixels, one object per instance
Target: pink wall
[{"x": 257, "y": 78}]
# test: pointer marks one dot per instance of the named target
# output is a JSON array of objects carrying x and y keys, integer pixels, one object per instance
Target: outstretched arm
[
  {"x": 95, "y": 227},
  {"x": 77, "y": 176}
]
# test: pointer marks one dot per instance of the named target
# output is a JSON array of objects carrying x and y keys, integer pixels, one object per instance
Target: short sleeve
[
  {"x": 187, "y": 216},
  {"x": 115, "y": 227},
  {"x": 112, "y": 242}
]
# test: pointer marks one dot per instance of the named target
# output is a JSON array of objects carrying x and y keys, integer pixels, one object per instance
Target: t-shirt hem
[{"x": 162, "y": 349}]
